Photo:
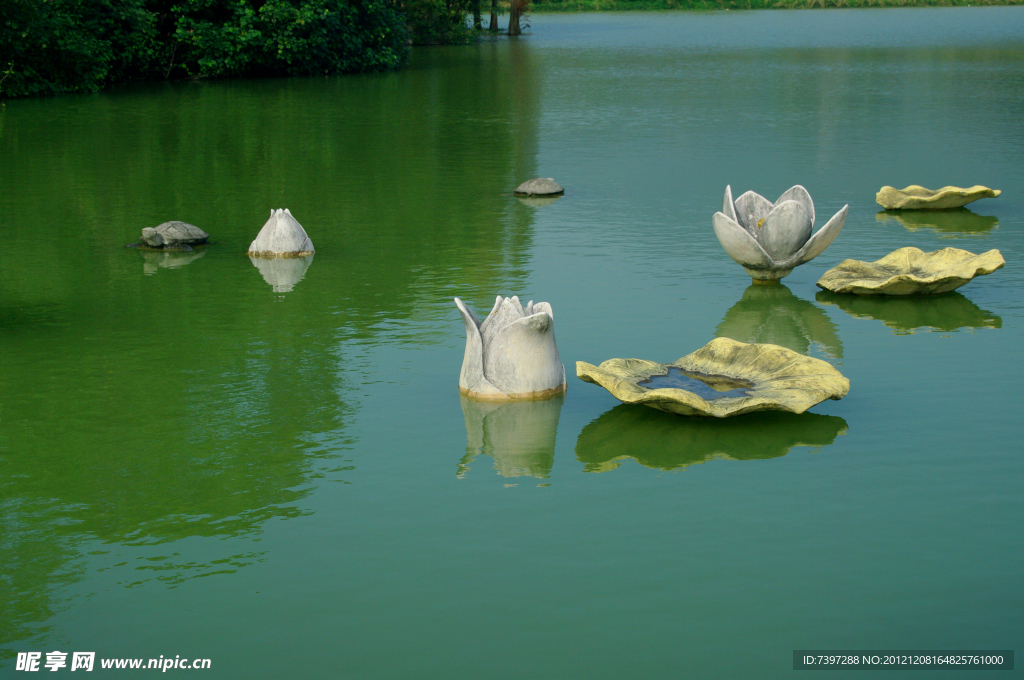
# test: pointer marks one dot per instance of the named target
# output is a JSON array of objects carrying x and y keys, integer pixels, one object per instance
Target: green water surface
[{"x": 288, "y": 483}]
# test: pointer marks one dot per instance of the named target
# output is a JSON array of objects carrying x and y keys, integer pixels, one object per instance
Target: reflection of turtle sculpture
[{"x": 172, "y": 236}]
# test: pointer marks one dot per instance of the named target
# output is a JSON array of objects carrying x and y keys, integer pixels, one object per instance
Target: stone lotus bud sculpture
[
  {"x": 512, "y": 354},
  {"x": 770, "y": 239},
  {"x": 281, "y": 236}
]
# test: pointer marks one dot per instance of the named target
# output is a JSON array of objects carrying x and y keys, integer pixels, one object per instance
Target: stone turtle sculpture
[
  {"x": 541, "y": 186},
  {"x": 173, "y": 236}
]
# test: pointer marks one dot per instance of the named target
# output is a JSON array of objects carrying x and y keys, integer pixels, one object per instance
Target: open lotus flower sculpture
[
  {"x": 512, "y": 354},
  {"x": 770, "y": 239}
]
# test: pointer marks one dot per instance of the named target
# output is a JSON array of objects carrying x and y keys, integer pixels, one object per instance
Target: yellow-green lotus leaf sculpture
[
  {"x": 910, "y": 271},
  {"x": 751, "y": 377},
  {"x": 917, "y": 197}
]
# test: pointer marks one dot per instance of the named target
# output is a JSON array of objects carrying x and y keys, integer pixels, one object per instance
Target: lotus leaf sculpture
[
  {"x": 917, "y": 197},
  {"x": 512, "y": 354},
  {"x": 910, "y": 271},
  {"x": 763, "y": 377},
  {"x": 770, "y": 239}
]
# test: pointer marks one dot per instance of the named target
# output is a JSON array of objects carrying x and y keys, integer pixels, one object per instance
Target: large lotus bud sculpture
[
  {"x": 770, "y": 239},
  {"x": 512, "y": 354}
]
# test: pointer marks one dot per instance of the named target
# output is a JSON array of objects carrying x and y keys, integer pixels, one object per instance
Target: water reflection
[
  {"x": 282, "y": 273},
  {"x": 772, "y": 314},
  {"x": 518, "y": 435},
  {"x": 537, "y": 201},
  {"x": 663, "y": 441},
  {"x": 907, "y": 314},
  {"x": 154, "y": 260},
  {"x": 959, "y": 221}
]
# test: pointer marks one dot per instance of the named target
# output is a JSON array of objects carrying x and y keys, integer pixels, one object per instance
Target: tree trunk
[
  {"x": 477, "y": 23},
  {"x": 493, "y": 28},
  {"x": 513, "y": 18}
]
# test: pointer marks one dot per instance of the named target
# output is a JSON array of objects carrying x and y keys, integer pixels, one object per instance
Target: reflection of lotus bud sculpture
[
  {"x": 770, "y": 239},
  {"x": 512, "y": 354}
]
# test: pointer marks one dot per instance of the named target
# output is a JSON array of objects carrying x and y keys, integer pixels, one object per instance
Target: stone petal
[
  {"x": 472, "y": 379},
  {"x": 739, "y": 244},
  {"x": 800, "y": 195},
  {"x": 522, "y": 358},
  {"x": 506, "y": 311},
  {"x": 786, "y": 228},
  {"x": 728, "y": 207},
  {"x": 751, "y": 208},
  {"x": 817, "y": 244}
]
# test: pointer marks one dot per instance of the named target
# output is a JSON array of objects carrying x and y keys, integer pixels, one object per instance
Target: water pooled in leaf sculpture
[
  {"x": 770, "y": 239},
  {"x": 512, "y": 354}
]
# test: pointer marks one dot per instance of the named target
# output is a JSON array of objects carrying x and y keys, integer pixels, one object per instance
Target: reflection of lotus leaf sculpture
[
  {"x": 282, "y": 273},
  {"x": 946, "y": 312},
  {"x": 917, "y": 197},
  {"x": 660, "y": 441},
  {"x": 723, "y": 378},
  {"x": 281, "y": 236},
  {"x": 953, "y": 222},
  {"x": 512, "y": 354},
  {"x": 152, "y": 260},
  {"x": 910, "y": 271},
  {"x": 772, "y": 314},
  {"x": 769, "y": 239},
  {"x": 518, "y": 435},
  {"x": 542, "y": 186}
]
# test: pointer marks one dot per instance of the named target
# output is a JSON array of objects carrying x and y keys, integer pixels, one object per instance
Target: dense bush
[{"x": 55, "y": 46}]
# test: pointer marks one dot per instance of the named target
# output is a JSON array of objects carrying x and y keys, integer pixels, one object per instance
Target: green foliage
[
  {"x": 439, "y": 22},
  {"x": 58, "y": 46},
  {"x": 287, "y": 37}
]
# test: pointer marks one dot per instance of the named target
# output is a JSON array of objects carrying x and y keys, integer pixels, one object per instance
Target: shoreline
[{"x": 576, "y": 6}]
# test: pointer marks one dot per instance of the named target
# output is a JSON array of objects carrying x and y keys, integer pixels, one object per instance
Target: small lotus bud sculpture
[
  {"x": 768, "y": 239},
  {"x": 512, "y": 354},
  {"x": 281, "y": 236}
]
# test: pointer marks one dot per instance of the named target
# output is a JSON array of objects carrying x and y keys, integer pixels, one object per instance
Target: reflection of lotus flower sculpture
[
  {"x": 768, "y": 239},
  {"x": 282, "y": 273},
  {"x": 723, "y": 378},
  {"x": 512, "y": 354},
  {"x": 773, "y": 315},
  {"x": 904, "y": 315},
  {"x": 518, "y": 435},
  {"x": 658, "y": 441},
  {"x": 910, "y": 271}
]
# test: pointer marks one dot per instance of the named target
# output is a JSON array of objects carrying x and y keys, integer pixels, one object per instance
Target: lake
[{"x": 284, "y": 479}]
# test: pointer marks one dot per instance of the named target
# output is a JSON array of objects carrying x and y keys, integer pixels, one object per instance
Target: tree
[{"x": 516, "y": 9}]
